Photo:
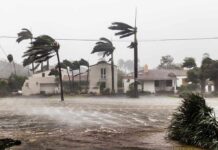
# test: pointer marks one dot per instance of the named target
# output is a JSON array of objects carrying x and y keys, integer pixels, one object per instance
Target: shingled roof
[{"x": 158, "y": 74}]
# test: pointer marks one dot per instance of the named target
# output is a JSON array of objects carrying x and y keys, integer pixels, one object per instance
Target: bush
[{"x": 194, "y": 123}]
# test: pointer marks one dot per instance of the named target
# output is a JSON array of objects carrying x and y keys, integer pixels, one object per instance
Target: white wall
[
  {"x": 95, "y": 77},
  {"x": 149, "y": 86},
  {"x": 34, "y": 84},
  {"x": 179, "y": 81}
]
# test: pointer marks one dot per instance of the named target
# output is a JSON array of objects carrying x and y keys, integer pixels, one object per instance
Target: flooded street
[{"x": 89, "y": 123}]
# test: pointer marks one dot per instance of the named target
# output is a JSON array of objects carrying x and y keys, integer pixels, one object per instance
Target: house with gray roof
[{"x": 157, "y": 80}]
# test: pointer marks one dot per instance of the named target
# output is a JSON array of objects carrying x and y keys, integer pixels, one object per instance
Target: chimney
[{"x": 145, "y": 68}]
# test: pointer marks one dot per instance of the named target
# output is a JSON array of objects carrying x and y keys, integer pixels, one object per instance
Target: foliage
[
  {"x": 42, "y": 49},
  {"x": 10, "y": 58},
  {"x": 189, "y": 62},
  {"x": 194, "y": 123},
  {"x": 166, "y": 62},
  {"x": 3, "y": 88},
  {"x": 193, "y": 75},
  {"x": 15, "y": 83},
  {"x": 24, "y": 34}
]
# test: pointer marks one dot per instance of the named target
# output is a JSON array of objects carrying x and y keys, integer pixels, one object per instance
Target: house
[
  {"x": 99, "y": 80},
  {"x": 40, "y": 83},
  {"x": 157, "y": 80},
  {"x": 100, "y": 77}
]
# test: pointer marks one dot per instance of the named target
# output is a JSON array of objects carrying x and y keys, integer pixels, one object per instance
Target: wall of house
[
  {"x": 180, "y": 81},
  {"x": 209, "y": 88},
  {"x": 126, "y": 83},
  {"x": 34, "y": 84},
  {"x": 149, "y": 86},
  {"x": 163, "y": 86},
  {"x": 95, "y": 77}
]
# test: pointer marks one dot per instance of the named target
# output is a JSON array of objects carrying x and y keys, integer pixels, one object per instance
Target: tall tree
[
  {"x": 11, "y": 60},
  {"x": 85, "y": 63},
  {"x": 104, "y": 45},
  {"x": 125, "y": 30},
  {"x": 26, "y": 34},
  {"x": 189, "y": 62},
  {"x": 75, "y": 66},
  {"x": 42, "y": 49},
  {"x": 205, "y": 71}
]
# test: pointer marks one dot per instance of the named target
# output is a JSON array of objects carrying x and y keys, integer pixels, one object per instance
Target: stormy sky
[{"x": 89, "y": 19}]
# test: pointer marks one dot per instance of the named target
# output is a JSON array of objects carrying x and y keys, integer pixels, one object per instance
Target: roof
[
  {"x": 76, "y": 78},
  {"x": 102, "y": 62},
  {"x": 158, "y": 74}
]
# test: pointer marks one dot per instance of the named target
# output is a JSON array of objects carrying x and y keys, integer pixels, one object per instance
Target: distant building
[{"x": 157, "y": 80}]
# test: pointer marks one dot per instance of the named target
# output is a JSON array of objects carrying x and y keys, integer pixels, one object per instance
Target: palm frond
[{"x": 24, "y": 35}]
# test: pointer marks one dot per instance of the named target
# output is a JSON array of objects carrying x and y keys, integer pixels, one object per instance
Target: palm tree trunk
[
  {"x": 14, "y": 68},
  {"x": 87, "y": 80},
  {"x": 112, "y": 73},
  {"x": 72, "y": 81},
  {"x": 33, "y": 69},
  {"x": 135, "y": 66},
  {"x": 216, "y": 85},
  {"x": 47, "y": 64},
  {"x": 69, "y": 80},
  {"x": 42, "y": 67},
  {"x": 60, "y": 77},
  {"x": 79, "y": 80}
]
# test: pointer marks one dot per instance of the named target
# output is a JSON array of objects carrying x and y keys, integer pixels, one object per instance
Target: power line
[{"x": 144, "y": 40}]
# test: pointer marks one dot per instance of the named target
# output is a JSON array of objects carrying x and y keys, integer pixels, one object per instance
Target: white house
[
  {"x": 40, "y": 83},
  {"x": 157, "y": 80},
  {"x": 100, "y": 77},
  {"x": 99, "y": 80}
]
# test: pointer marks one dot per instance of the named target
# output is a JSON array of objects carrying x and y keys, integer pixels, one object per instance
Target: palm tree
[
  {"x": 42, "y": 49},
  {"x": 104, "y": 45},
  {"x": 126, "y": 30},
  {"x": 83, "y": 62},
  {"x": 76, "y": 66},
  {"x": 26, "y": 34},
  {"x": 11, "y": 59},
  {"x": 66, "y": 65}
]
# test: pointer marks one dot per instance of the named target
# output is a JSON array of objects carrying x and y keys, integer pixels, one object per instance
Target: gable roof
[{"x": 158, "y": 74}]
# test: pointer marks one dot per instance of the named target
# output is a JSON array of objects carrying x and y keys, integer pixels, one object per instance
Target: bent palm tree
[
  {"x": 11, "y": 59},
  {"x": 42, "y": 49},
  {"x": 85, "y": 63},
  {"x": 76, "y": 66},
  {"x": 104, "y": 45},
  {"x": 73, "y": 66},
  {"x": 26, "y": 34},
  {"x": 66, "y": 65},
  {"x": 126, "y": 30}
]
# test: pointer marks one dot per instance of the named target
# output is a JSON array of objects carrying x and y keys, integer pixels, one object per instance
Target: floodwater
[{"x": 96, "y": 123}]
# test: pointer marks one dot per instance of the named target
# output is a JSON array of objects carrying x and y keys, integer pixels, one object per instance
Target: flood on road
[{"x": 89, "y": 123}]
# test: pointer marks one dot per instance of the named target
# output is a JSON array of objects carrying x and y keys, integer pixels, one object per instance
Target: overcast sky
[{"x": 157, "y": 19}]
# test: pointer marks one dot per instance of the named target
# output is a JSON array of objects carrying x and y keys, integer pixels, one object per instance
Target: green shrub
[{"x": 194, "y": 123}]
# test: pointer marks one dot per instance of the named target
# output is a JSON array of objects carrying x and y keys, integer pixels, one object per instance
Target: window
[
  {"x": 157, "y": 83},
  {"x": 43, "y": 74},
  {"x": 103, "y": 73},
  {"x": 169, "y": 83}
]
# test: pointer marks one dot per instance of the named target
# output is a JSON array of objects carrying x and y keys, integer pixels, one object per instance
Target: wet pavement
[{"x": 89, "y": 123}]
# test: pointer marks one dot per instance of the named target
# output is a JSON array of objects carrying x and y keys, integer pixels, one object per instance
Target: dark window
[
  {"x": 157, "y": 83},
  {"x": 43, "y": 74},
  {"x": 169, "y": 83},
  {"x": 103, "y": 73}
]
